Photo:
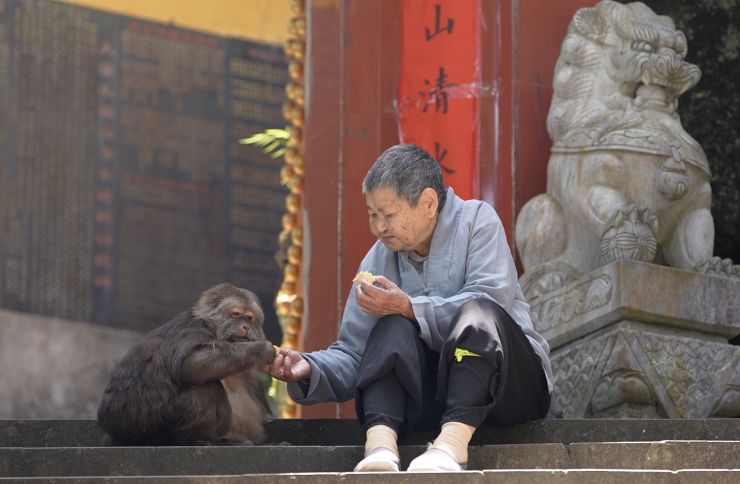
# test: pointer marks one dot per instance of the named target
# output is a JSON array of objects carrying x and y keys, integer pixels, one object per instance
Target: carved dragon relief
[{"x": 625, "y": 180}]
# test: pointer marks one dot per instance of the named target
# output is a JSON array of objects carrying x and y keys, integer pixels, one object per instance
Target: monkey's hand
[
  {"x": 217, "y": 360},
  {"x": 265, "y": 354},
  {"x": 289, "y": 365}
]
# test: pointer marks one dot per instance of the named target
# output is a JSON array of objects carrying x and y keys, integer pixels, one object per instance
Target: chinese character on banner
[{"x": 439, "y": 86}]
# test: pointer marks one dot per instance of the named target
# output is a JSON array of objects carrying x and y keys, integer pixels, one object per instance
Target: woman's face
[{"x": 398, "y": 225}]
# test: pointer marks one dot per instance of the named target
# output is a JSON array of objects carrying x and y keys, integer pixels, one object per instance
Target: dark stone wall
[{"x": 710, "y": 112}]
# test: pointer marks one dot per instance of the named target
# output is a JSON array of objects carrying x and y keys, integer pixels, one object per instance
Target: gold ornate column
[{"x": 289, "y": 300}]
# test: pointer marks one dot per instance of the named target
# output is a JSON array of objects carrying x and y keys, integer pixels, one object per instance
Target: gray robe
[{"x": 468, "y": 258}]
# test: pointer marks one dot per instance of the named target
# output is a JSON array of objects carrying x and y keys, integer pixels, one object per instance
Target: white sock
[
  {"x": 454, "y": 439},
  {"x": 381, "y": 436}
]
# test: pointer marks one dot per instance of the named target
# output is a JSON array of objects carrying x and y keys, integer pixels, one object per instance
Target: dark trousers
[{"x": 405, "y": 385}]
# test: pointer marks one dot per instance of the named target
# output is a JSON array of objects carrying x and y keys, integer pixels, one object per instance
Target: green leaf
[{"x": 272, "y": 141}]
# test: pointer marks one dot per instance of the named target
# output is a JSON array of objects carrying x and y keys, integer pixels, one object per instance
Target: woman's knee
[
  {"x": 478, "y": 318},
  {"x": 480, "y": 308},
  {"x": 391, "y": 332}
]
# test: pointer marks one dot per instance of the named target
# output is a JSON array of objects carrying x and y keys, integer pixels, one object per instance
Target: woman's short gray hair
[{"x": 408, "y": 170}]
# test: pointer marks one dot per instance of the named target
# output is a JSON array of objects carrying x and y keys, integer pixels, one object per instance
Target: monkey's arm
[{"x": 216, "y": 360}]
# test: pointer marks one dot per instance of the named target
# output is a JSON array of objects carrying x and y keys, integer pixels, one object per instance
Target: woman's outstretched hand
[{"x": 289, "y": 365}]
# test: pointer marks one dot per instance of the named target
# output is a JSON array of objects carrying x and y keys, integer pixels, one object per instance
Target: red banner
[{"x": 439, "y": 86}]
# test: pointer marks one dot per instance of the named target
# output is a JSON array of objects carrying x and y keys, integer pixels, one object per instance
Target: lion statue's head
[{"x": 619, "y": 65}]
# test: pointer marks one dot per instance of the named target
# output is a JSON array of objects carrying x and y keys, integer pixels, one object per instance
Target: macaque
[{"x": 194, "y": 380}]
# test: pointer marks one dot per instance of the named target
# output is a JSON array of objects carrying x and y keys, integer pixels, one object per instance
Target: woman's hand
[
  {"x": 289, "y": 365},
  {"x": 384, "y": 298}
]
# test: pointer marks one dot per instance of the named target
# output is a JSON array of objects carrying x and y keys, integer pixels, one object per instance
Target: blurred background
[{"x": 124, "y": 189}]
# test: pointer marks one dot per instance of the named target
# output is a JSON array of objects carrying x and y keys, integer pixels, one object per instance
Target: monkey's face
[
  {"x": 232, "y": 313},
  {"x": 241, "y": 322}
]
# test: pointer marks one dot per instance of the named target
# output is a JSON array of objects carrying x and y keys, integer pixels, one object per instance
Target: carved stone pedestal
[{"x": 640, "y": 340}]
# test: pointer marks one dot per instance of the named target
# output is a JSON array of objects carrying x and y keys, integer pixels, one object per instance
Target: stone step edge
[
  {"x": 508, "y": 476},
  {"x": 86, "y": 433},
  {"x": 23, "y": 462},
  {"x": 400, "y": 446}
]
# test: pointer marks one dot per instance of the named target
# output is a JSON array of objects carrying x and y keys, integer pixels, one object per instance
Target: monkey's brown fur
[{"x": 195, "y": 379}]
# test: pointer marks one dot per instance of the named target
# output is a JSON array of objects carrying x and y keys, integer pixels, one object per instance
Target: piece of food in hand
[
  {"x": 364, "y": 276},
  {"x": 277, "y": 349}
]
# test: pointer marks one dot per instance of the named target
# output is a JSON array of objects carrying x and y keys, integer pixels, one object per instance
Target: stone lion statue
[{"x": 624, "y": 180}]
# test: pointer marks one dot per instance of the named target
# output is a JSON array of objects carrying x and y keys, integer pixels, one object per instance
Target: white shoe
[
  {"x": 435, "y": 460},
  {"x": 378, "y": 460}
]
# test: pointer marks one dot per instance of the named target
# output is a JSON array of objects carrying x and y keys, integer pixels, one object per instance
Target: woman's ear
[{"x": 429, "y": 201}]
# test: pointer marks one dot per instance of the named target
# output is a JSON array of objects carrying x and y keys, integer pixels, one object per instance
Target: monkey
[{"x": 194, "y": 380}]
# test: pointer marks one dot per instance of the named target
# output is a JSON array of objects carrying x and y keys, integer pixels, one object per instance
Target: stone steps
[
  {"x": 86, "y": 433},
  {"x": 153, "y": 461},
  {"x": 552, "y": 451},
  {"x": 545, "y": 476}
]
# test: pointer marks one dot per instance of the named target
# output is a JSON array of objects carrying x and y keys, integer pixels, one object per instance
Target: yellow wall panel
[{"x": 262, "y": 20}]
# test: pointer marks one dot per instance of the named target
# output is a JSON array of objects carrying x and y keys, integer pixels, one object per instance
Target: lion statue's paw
[
  {"x": 717, "y": 266},
  {"x": 630, "y": 234}
]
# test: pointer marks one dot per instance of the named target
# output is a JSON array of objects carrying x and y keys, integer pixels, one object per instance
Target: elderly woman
[{"x": 441, "y": 337}]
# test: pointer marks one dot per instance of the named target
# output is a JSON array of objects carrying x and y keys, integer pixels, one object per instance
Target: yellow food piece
[
  {"x": 460, "y": 352},
  {"x": 364, "y": 276},
  {"x": 277, "y": 349}
]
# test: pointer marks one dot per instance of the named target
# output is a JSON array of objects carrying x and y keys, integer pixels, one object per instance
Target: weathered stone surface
[
  {"x": 642, "y": 292},
  {"x": 572, "y": 476},
  {"x": 488, "y": 463},
  {"x": 637, "y": 340},
  {"x": 590, "y": 476},
  {"x": 309, "y": 478},
  {"x": 151, "y": 461},
  {"x": 145, "y": 461},
  {"x": 519, "y": 456},
  {"x": 50, "y": 433},
  {"x": 656, "y": 455},
  {"x": 333, "y": 432},
  {"x": 646, "y": 371},
  {"x": 54, "y": 368}
]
